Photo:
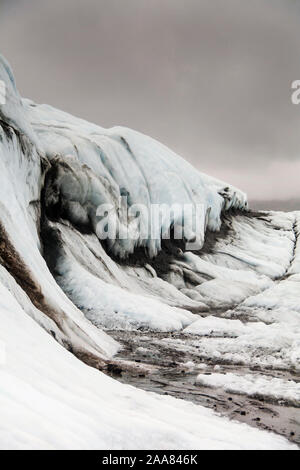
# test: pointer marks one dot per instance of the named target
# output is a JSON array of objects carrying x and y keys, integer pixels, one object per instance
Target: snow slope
[
  {"x": 51, "y": 400},
  {"x": 60, "y": 286},
  {"x": 262, "y": 386}
]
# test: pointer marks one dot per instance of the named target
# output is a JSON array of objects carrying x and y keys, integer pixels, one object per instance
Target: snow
[
  {"x": 295, "y": 266},
  {"x": 271, "y": 336},
  {"x": 274, "y": 346},
  {"x": 264, "y": 245},
  {"x": 116, "y": 308},
  {"x": 48, "y": 398},
  {"x": 51, "y": 400},
  {"x": 20, "y": 170},
  {"x": 12, "y": 111},
  {"x": 126, "y": 301},
  {"x": 102, "y": 164},
  {"x": 223, "y": 293},
  {"x": 220, "y": 326},
  {"x": 254, "y": 386},
  {"x": 283, "y": 297}
]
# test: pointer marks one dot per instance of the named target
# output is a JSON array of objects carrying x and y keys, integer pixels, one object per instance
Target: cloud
[{"x": 210, "y": 78}]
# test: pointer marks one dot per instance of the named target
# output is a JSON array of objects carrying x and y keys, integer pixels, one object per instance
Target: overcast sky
[{"x": 209, "y": 78}]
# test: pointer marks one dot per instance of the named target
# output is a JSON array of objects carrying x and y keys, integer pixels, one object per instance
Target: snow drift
[{"x": 60, "y": 285}]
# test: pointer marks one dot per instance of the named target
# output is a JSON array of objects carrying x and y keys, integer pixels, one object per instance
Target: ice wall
[
  {"x": 56, "y": 167},
  {"x": 94, "y": 166},
  {"x": 23, "y": 268}
]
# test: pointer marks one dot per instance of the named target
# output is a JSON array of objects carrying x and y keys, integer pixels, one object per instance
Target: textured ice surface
[
  {"x": 254, "y": 386},
  {"x": 21, "y": 181},
  {"x": 51, "y": 400},
  {"x": 295, "y": 266},
  {"x": 48, "y": 397},
  {"x": 101, "y": 164}
]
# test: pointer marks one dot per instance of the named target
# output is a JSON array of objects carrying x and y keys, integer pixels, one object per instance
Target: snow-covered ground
[
  {"x": 235, "y": 300},
  {"x": 51, "y": 400},
  {"x": 255, "y": 386}
]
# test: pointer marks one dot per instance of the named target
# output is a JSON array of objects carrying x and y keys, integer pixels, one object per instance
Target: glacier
[{"x": 64, "y": 291}]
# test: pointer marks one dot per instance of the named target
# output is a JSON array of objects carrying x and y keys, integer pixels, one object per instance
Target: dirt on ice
[{"x": 151, "y": 364}]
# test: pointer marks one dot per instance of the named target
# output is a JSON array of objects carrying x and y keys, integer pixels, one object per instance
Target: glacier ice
[
  {"x": 254, "y": 386},
  {"x": 57, "y": 275},
  {"x": 51, "y": 400},
  {"x": 95, "y": 166}
]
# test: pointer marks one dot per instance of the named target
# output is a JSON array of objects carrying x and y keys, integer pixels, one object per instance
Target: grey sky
[{"x": 209, "y": 78}]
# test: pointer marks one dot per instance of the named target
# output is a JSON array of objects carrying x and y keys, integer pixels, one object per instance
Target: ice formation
[
  {"x": 51, "y": 400},
  {"x": 254, "y": 386},
  {"x": 60, "y": 286},
  {"x": 93, "y": 166}
]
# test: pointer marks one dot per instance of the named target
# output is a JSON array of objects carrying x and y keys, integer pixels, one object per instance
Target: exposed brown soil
[{"x": 11, "y": 260}]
